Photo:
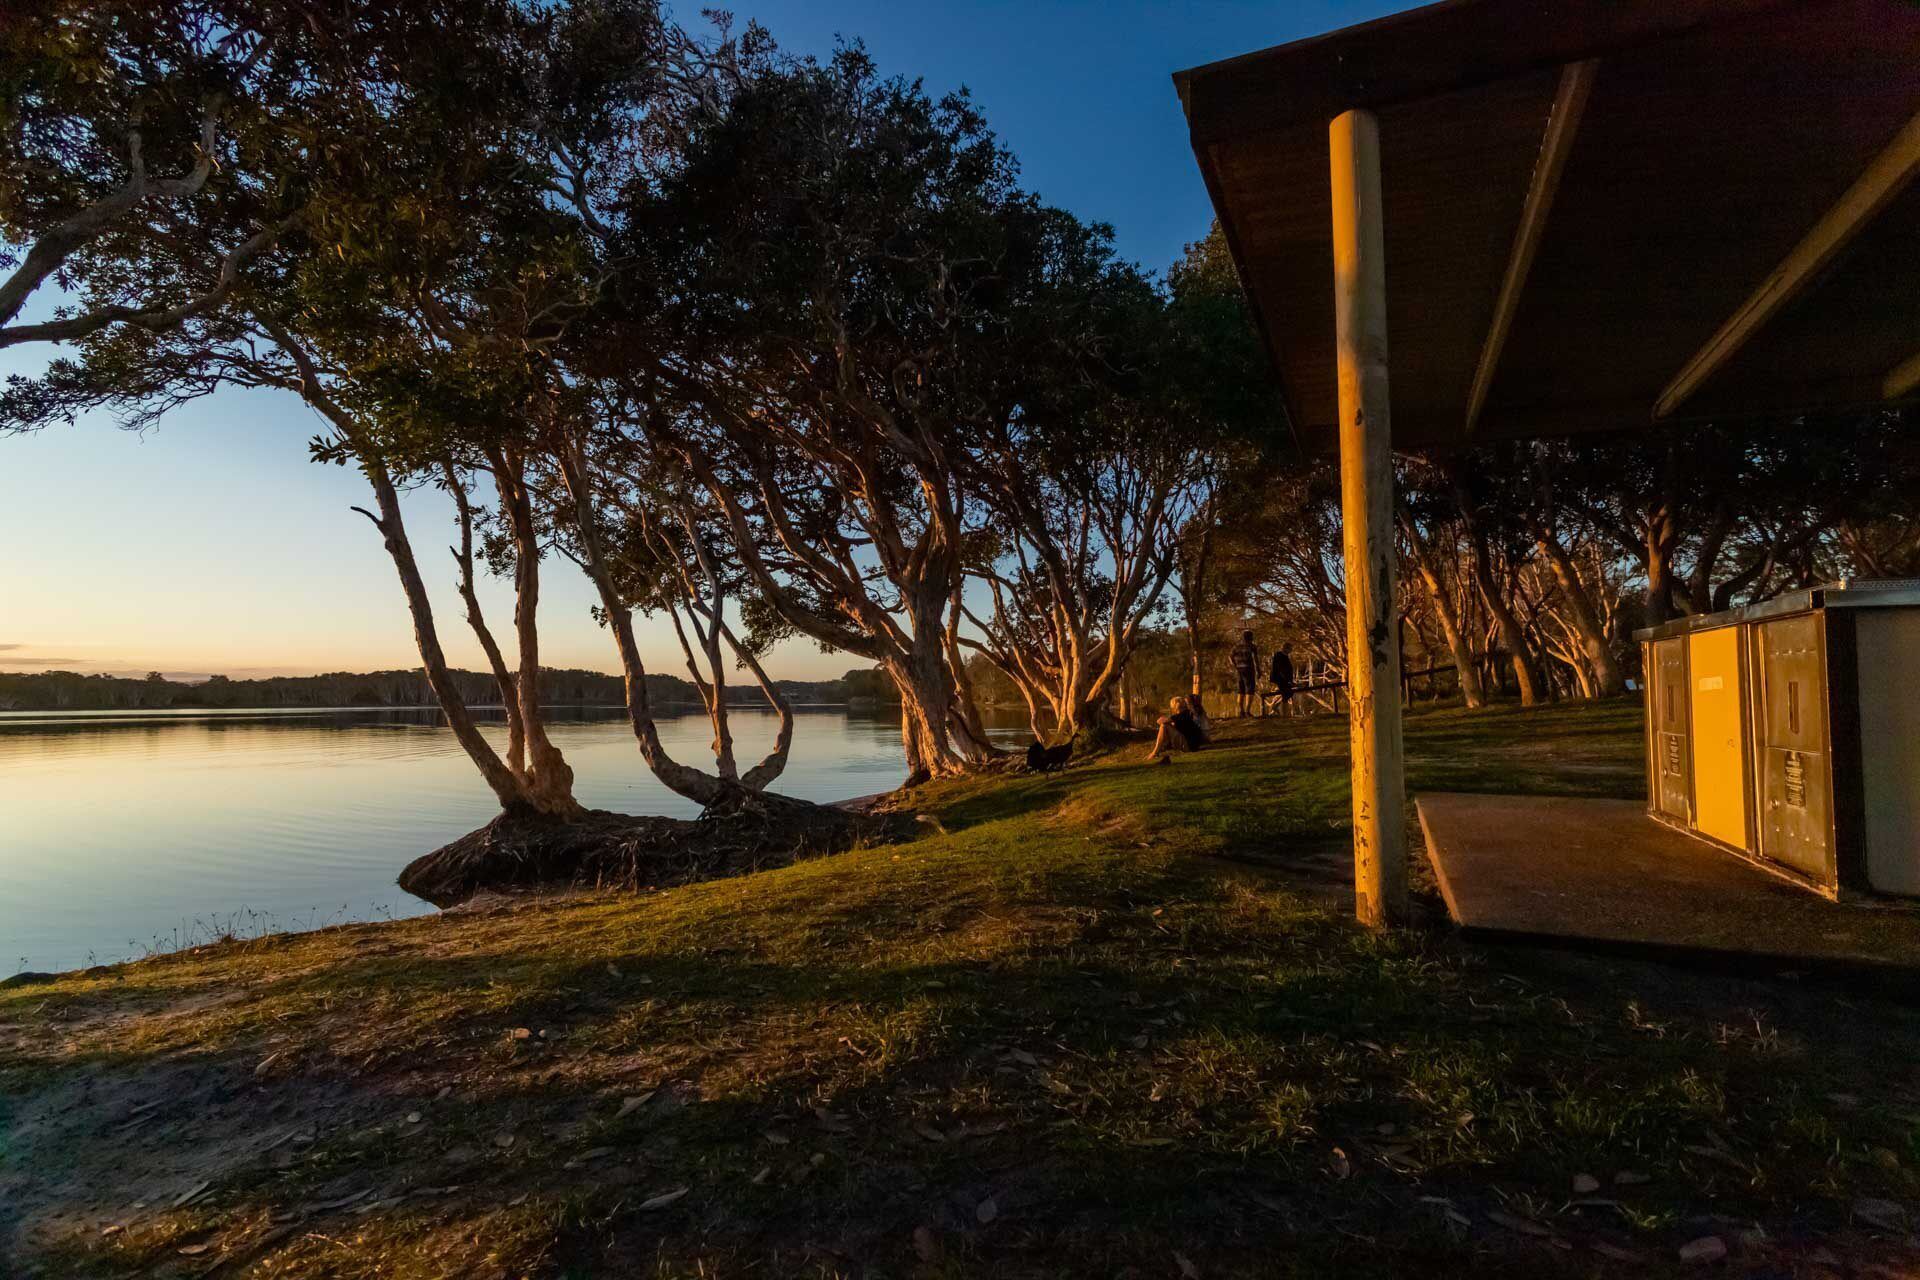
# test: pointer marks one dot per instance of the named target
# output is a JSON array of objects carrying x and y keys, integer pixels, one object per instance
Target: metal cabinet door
[
  {"x": 1796, "y": 819},
  {"x": 1719, "y": 735},
  {"x": 1672, "y": 753},
  {"x": 1796, "y": 791}
]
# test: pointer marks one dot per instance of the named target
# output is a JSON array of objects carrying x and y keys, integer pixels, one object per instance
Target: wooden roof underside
[{"x": 1705, "y": 145}]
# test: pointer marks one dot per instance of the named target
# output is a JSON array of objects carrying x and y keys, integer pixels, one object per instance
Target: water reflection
[{"x": 121, "y": 832}]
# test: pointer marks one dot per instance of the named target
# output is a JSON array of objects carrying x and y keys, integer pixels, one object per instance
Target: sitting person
[
  {"x": 1179, "y": 731},
  {"x": 1044, "y": 759},
  {"x": 1282, "y": 676}
]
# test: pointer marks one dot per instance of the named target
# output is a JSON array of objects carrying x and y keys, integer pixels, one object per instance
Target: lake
[{"x": 123, "y": 833}]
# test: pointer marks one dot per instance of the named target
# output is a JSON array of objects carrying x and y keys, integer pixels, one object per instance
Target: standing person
[
  {"x": 1282, "y": 676},
  {"x": 1246, "y": 670}
]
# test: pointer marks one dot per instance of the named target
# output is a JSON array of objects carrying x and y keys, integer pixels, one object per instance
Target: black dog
[{"x": 1043, "y": 759}]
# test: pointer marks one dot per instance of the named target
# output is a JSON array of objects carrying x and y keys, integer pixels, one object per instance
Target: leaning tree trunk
[
  {"x": 702, "y": 788},
  {"x": 506, "y": 786},
  {"x": 477, "y": 620},
  {"x": 967, "y": 724},
  {"x": 1472, "y": 692},
  {"x": 761, "y": 775},
  {"x": 1526, "y": 669},
  {"x": 1607, "y": 677}
]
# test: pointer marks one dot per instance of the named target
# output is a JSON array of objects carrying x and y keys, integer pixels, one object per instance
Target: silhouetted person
[
  {"x": 1282, "y": 676},
  {"x": 1179, "y": 731},
  {"x": 1245, "y": 658}
]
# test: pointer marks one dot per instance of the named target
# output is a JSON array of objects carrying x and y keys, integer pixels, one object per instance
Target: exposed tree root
[{"x": 743, "y": 832}]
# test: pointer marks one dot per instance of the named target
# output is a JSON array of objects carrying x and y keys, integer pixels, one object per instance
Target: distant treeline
[{"x": 72, "y": 691}]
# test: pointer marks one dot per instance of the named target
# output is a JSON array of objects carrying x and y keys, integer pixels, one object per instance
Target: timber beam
[{"x": 1885, "y": 178}]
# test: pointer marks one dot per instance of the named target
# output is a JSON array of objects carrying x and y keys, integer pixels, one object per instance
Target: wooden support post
[{"x": 1366, "y": 518}]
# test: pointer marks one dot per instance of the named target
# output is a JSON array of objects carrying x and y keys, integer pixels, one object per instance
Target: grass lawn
[{"x": 1113, "y": 1022}]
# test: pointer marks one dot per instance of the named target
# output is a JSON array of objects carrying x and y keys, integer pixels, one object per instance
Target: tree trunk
[
  {"x": 702, "y": 788},
  {"x": 926, "y": 697},
  {"x": 505, "y": 785},
  {"x": 1663, "y": 537},
  {"x": 549, "y": 779},
  {"x": 1607, "y": 676},
  {"x": 1660, "y": 543},
  {"x": 1526, "y": 669},
  {"x": 967, "y": 724},
  {"x": 496, "y": 661},
  {"x": 1464, "y": 666},
  {"x": 761, "y": 775}
]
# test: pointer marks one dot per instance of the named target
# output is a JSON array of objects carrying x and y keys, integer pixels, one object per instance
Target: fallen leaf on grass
[
  {"x": 1884, "y": 1214},
  {"x": 930, "y": 1133},
  {"x": 1585, "y": 1184},
  {"x": 662, "y": 1200},
  {"x": 195, "y": 1250},
  {"x": 987, "y": 1211},
  {"x": 1339, "y": 1166},
  {"x": 1187, "y": 1269},
  {"x": 1514, "y": 1223},
  {"x": 633, "y": 1104},
  {"x": 1267, "y": 1202},
  {"x": 778, "y": 1139},
  {"x": 1705, "y": 1249},
  {"x": 761, "y": 1177},
  {"x": 1448, "y": 1210},
  {"x": 340, "y": 1203},
  {"x": 192, "y": 1193},
  {"x": 925, "y": 1244},
  {"x": 1630, "y": 1178},
  {"x": 588, "y": 1157},
  {"x": 1714, "y": 1153}
]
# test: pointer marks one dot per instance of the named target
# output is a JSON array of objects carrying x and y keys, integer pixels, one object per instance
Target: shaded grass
[{"x": 1100, "y": 1019}]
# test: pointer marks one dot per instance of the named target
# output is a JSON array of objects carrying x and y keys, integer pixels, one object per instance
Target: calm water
[{"x": 122, "y": 833}]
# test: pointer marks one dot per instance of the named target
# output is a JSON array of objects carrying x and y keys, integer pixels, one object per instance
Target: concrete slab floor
[{"x": 1603, "y": 873}]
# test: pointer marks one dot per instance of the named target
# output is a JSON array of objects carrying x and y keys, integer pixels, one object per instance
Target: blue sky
[{"x": 213, "y": 544}]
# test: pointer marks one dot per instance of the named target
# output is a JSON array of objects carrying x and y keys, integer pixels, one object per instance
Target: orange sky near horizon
[{"x": 214, "y": 545}]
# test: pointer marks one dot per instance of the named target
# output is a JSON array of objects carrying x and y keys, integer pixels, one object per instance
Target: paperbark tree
[
  {"x": 843, "y": 255},
  {"x": 656, "y": 546}
]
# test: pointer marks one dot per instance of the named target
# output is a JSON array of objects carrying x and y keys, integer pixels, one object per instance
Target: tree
[
  {"x": 1091, "y": 476},
  {"x": 153, "y": 152},
  {"x": 842, "y": 254},
  {"x": 1222, "y": 380}
]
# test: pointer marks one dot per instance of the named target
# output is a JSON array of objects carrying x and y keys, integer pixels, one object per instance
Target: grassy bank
[{"x": 1110, "y": 1022}]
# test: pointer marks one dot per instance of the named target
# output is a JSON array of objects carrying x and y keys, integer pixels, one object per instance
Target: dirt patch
[{"x": 97, "y": 1153}]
